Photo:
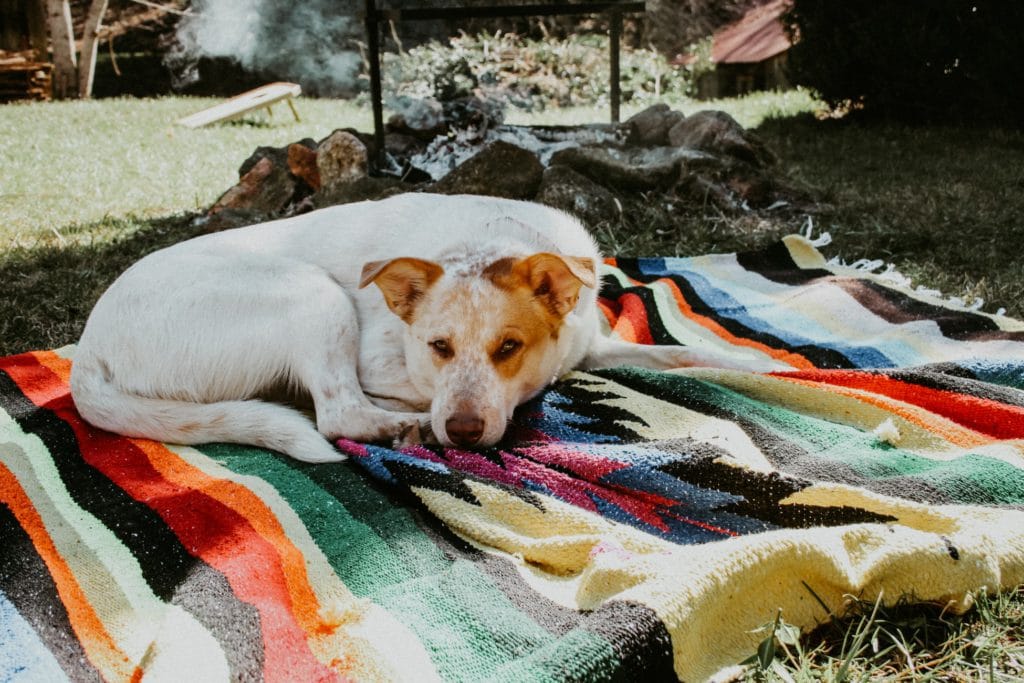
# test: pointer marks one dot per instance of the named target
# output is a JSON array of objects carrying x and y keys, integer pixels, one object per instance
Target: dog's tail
[{"x": 252, "y": 422}]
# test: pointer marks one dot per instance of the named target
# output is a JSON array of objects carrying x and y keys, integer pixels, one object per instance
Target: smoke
[{"x": 310, "y": 42}]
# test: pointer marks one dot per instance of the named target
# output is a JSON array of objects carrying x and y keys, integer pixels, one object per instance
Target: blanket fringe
[
  {"x": 893, "y": 277},
  {"x": 890, "y": 275},
  {"x": 822, "y": 240}
]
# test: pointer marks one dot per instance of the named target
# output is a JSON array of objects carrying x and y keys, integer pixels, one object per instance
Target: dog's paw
[{"x": 414, "y": 433}]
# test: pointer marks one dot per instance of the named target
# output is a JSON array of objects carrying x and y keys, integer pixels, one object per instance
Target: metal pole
[
  {"x": 616, "y": 36},
  {"x": 373, "y": 46}
]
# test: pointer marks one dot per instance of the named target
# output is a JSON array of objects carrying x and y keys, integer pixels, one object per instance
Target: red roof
[{"x": 754, "y": 38}]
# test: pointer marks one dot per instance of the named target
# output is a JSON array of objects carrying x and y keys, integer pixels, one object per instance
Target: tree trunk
[
  {"x": 62, "y": 38},
  {"x": 90, "y": 42}
]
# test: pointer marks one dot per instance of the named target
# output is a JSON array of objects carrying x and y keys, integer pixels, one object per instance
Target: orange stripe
[
  {"x": 57, "y": 364},
  {"x": 97, "y": 643},
  {"x": 238, "y": 498},
  {"x": 959, "y": 436},
  {"x": 794, "y": 359}
]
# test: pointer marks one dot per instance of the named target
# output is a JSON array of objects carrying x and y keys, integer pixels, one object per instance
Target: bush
[
  {"x": 935, "y": 61},
  {"x": 534, "y": 74}
]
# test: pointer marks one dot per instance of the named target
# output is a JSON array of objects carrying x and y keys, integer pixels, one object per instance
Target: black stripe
[
  {"x": 897, "y": 307},
  {"x": 26, "y": 582},
  {"x": 639, "y": 638},
  {"x": 775, "y": 263},
  {"x": 164, "y": 562},
  {"x": 206, "y": 594}
]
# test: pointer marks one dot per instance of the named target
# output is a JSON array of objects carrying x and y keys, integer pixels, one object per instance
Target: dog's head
[{"x": 482, "y": 343}]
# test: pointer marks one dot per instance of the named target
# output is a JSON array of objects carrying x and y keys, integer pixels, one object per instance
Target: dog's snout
[{"x": 464, "y": 429}]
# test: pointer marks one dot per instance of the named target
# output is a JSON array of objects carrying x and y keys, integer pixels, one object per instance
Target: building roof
[{"x": 756, "y": 37}]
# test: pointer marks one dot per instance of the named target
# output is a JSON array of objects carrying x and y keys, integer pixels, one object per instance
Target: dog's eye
[
  {"x": 441, "y": 348},
  {"x": 508, "y": 347}
]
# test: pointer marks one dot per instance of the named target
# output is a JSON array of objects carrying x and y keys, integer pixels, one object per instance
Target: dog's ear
[
  {"x": 556, "y": 280},
  {"x": 402, "y": 281}
]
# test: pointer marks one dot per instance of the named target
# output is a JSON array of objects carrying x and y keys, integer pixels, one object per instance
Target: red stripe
[
  {"x": 206, "y": 528},
  {"x": 982, "y": 415},
  {"x": 634, "y": 311}
]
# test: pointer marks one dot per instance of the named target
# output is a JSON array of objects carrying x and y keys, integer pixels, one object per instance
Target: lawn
[{"x": 88, "y": 187}]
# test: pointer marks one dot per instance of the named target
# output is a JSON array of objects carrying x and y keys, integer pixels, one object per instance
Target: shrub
[
  {"x": 534, "y": 74},
  {"x": 941, "y": 60}
]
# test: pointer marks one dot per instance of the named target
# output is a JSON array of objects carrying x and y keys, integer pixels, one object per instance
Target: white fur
[{"x": 184, "y": 341}]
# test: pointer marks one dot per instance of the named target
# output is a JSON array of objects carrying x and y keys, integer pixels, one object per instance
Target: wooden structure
[
  {"x": 240, "y": 105},
  {"x": 22, "y": 78},
  {"x": 749, "y": 54},
  {"x": 375, "y": 18}
]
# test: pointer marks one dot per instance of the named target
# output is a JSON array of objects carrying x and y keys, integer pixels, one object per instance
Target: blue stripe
[
  {"x": 776, "y": 320},
  {"x": 23, "y": 657}
]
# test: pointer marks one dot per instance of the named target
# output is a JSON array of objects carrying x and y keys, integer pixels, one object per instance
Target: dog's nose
[{"x": 463, "y": 429}]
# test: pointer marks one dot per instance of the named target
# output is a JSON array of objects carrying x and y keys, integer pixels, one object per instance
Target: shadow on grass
[{"x": 50, "y": 289}]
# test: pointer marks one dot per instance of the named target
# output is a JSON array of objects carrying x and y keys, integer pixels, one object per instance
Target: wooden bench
[{"x": 259, "y": 98}]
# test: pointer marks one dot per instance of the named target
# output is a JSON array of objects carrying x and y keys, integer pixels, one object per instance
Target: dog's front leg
[
  {"x": 606, "y": 352},
  {"x": 326, "y": 364}
]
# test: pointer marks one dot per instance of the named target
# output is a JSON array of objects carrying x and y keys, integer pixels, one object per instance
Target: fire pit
[{"x": 465, "y": 147}]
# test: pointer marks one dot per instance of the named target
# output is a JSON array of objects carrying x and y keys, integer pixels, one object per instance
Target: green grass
[
  {"x": 907, "y": 642},
  {"x": 86, "y": 188},
  {"x": 68, "y": 167}
]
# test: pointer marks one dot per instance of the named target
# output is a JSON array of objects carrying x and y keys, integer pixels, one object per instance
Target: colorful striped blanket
[{"x": 633, "y": 524}]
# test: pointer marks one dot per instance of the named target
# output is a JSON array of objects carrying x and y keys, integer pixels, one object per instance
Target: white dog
[{"x": 490, "y": 300}]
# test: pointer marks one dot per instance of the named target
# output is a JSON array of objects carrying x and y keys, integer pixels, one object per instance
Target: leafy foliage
[
  {"x": 944, "y": 60},
  {"x": 534, "y": 74}
]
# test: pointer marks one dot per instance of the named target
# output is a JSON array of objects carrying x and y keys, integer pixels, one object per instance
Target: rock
[
  {"x": 266, "y": 189},
  {"x": 358, "y": 190},
  {"x": 631, "y": 169},
  {"x": 476, "y": 113},
  {"x": 420, "y": 118},
  {"x": 650, "y": 127},
  {"x": 565, "y": 189},
  {"x": 227, "y": 219},
  {"x": 402, "y": 146},
  {"x": 341, "y": 158},
  {"x": 499, "y": 170},
  {"x": 302, "y": 165},
  {"x": 718, "y": 133}
]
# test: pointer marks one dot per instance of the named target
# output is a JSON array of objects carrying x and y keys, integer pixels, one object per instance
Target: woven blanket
[{"x": 632, "y": 524}]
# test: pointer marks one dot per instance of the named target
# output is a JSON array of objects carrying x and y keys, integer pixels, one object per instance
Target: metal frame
[{"x": 374, "y": 17}]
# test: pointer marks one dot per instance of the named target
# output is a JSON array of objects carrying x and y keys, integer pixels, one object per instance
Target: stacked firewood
[{"x": 24, "y": 78}]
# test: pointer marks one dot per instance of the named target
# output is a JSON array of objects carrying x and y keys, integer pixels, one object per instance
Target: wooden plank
[
  {"x": 259, "y": 98},
  {"x": 496, "y": 11}
]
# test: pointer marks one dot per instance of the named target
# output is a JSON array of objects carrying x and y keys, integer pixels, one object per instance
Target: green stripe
[
  {"x": 578, "y": 656},
  {"x": 463, "y": 619}
]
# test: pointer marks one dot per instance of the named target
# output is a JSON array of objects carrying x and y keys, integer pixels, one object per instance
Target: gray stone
[
  {"x": 266, "y": 189},
  {"x": 341, "y": 158},
  {"x": 566, "y": 189},
  {"x": 718, "y": 133},
  {"x": 360, "y": 189},
  {"x": 650, "y": 127},
  {"x": 499, "y": 170},
  {"x": 420, "y": 118},
  {"x": 632, "y": 168}
]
